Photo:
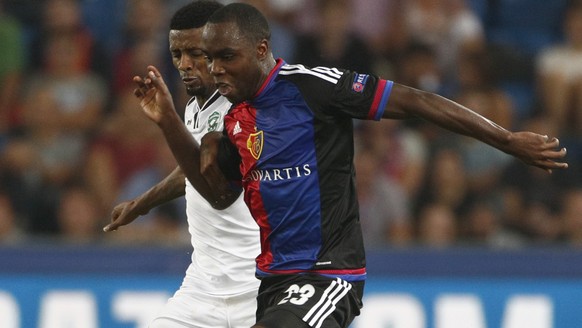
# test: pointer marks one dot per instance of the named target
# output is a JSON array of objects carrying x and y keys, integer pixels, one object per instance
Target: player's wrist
[
  {"x": 140, "y": 207},
  {"x": 168, "y": 122}
]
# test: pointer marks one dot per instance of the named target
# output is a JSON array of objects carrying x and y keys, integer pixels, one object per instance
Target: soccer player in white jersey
[{"x": 219, "y": 289}]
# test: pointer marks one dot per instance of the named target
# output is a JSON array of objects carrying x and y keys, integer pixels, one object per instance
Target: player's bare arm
[
  {"x": 171, "y": 187},
  {"x": 209, "y": 148},
  {"x": 156, "y": 102},
  {"x": 531, "y": 148}
]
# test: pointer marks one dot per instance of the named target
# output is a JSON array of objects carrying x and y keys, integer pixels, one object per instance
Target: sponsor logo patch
[{"x": 360, "y": 82}]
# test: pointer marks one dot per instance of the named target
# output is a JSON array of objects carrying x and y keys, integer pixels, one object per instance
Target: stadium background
[{"x": 437, "y": 258}]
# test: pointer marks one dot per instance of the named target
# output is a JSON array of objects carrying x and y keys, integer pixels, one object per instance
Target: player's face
[
  {"x": 233, "y": 61},
  {"x": 188, "y": 58}
]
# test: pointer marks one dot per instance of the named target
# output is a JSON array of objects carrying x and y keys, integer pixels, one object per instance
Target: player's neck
[
  {"x": 202, "y": 99},
  {"x": 269, "y": 64},
  {"x": 266, "y": 67}
]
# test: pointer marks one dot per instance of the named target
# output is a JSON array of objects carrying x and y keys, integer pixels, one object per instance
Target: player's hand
[
  {"x": 123, "y": 214},
  {"x": 538, "y": 150},
  {"x": 155, "y": 98}
]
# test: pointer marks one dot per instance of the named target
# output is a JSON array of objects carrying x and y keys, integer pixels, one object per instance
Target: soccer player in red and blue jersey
[{"x": 290, "y": 135}]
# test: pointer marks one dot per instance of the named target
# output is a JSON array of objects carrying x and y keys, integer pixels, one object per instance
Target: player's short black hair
[
  {"x": 251, "y": 22},
  {"x": 194, "y": 14}
]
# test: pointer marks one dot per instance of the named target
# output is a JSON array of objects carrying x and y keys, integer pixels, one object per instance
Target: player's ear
[{"x": 263, "y": 48}]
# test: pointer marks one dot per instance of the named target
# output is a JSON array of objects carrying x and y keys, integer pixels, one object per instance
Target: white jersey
[
  {"x": 220, "y": 287},
  {"x": 226, "y": 242}
]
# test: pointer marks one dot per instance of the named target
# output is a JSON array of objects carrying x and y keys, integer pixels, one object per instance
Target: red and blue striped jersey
[{"x": 295, "y": 141}]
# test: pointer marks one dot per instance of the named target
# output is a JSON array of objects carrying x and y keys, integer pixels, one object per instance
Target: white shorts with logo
[{"x": 198, "y": 310}]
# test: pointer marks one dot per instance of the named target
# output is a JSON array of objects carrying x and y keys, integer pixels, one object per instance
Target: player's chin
[
  {"x": 194, "y": 91},
  {"x": 231, "y": 96},
  {"x": 234, "y": 100}
]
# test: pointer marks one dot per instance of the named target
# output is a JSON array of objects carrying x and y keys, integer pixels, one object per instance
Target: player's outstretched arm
[
  {"x": 166, "y": 190},
  {"x": 156, "y": 102},
  {"x": 532, "y": 148}
]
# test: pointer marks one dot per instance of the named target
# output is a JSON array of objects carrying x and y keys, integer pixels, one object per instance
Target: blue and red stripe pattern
[
  {"x": 380, "y": 100},
  {"x": 296, "y": 149}
]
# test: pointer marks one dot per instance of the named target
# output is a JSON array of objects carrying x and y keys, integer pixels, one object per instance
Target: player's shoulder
[{"x": 319, "y": 74}]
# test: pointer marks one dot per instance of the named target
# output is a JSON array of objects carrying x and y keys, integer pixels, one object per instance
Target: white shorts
[{"x": 197, "y": 310}]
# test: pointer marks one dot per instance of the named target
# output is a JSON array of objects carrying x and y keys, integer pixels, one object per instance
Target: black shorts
[{"x": 308, "y": 300}]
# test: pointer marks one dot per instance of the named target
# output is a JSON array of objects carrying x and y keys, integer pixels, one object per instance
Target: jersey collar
[
  {"x": 208, "y": 102},
  {"x": 211, "y": 100}
]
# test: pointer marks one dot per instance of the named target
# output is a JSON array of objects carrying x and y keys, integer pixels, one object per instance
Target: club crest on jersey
[
  {"x": 255, "y": 144},
  {"x": 359, "y": 82},
  {"x": 213, "y": 121}
]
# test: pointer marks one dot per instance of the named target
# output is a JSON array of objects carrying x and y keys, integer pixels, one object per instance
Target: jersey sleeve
[{"x": 361, "y": 96}]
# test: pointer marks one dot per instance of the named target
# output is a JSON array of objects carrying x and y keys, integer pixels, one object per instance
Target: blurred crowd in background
[{"x": 74, "y": 142}]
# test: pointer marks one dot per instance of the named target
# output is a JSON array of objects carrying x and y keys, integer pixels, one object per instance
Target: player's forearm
[
  {"x": 448, "y": 115},
  {"x": 166, "y": 190},
  {"x": 187, "y": 154}
]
